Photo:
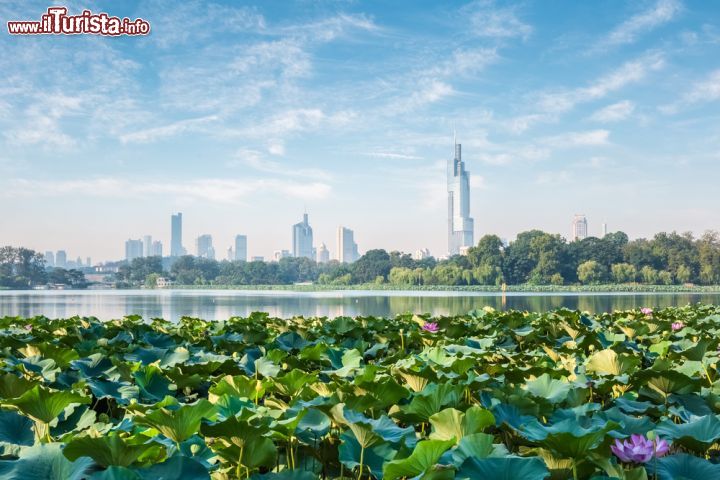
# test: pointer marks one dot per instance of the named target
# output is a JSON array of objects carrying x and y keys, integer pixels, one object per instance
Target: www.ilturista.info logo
[{"x": 57, "y": 22}]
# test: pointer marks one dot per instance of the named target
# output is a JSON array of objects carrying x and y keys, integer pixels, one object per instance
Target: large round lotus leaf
[
  {"x": 182, "y": 422},
  {"x": 508, "y": 468},
  {"x": 286, "y": 475},
  {"x": 116, "y": 473},
  {"x": 374, "y": 457},
  {"x": 112, "y": 449},
  {"x": 608, "y": 362},
  {"x": 544, "y": 386},
  {"x": 44, "y": 405},
  {"x": 178, "y": 467},
  {"x": 696, "y": 435},
  {"x": 454, "y": 424},
  {"x": 44, "y": 462},
  {"x": 682, "y": 466},
  {"x": 424, "y": 457},
  {"x": 15, "y": 432}
]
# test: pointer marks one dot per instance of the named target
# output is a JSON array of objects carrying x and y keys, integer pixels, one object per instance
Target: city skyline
[{"x": 243, "y": 114}]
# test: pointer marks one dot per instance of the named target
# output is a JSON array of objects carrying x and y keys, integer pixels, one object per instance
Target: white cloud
[
  {"x": 257, "y": 161},
  {"x": 175, "y": 128},
  {"x": 629, "y": 73},
  {"x": 487, "y": 20},
  {"x": 393, "y": 155},
  {"x": 703, "y": 91},
  {"x": 627, "y": 32},
  {"x": 578, "y": 139},
  {"x": 614, "y": 113},
  {"x": 210, "y": 189},
  {"x": 554, "y": 178}
]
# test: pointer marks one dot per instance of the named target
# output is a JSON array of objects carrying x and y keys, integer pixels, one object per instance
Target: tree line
[
  {"x": 22, "y": 268},
  {"x": 534, "y": 257}
]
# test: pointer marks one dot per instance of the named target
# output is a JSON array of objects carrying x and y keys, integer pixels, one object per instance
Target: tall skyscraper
[
  {"x": 88, "y": 261},
  {"x": 347, "y": 249},
  {"x": 421, "y": 254},
  {"x": 176, "y": 248},
  {"x": 147, "y": 245},
  {"x": 133, "y": 249},
  {"x": 280, "y": 254},
  {"x": 204, "y": 247},
  {"x": 460, "y": 224},
  {"x": 241, "y": 248},
  {"x": 579, "y": 227},
  {"x": 61, "y": 259},
  {"x": 157, "y": 249},
  {"x": 604, "y": 229},
  {"x": 302, "y": 239},
  {"x": 323, "y": 254},
  {"x": 49, "y": 259}
]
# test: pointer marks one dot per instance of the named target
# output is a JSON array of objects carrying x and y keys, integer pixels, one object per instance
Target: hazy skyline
[{"x": 244, "y": 115}]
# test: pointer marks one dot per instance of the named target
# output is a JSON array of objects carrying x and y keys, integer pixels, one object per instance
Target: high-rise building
[
  {"x": 302, "y": 239},
  {"x": 88, "y": 261},
  {"x": 230, "y": 254},
  {"x": 280, "y": 254},
  {"x": 176, "y": 248},
  {"x": 347, "y": 249},
  {"x": 61, "y": 259},
  {"x": 241, "y": 248},
  {"x": 147, "y": 245},
  {"x": 204, "y": 247},
  {"x": 49, "y": 259},
  {"x": 460, "y": 224},
  {"x": 323, "y": 254},
  {"x": 579, "y": 227},
  {"x": 133, "y": 249},
  {"x": 258, "y": 258},
  {"x": 156, "y": 250},
  {"x": 421, "y": 253},
  {"x": 604, "y": 229}
]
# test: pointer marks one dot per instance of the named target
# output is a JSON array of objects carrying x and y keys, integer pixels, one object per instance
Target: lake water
[{"x": 221, "y": 304}]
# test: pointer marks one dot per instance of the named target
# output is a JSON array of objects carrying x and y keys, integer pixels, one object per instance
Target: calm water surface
[{"x": 221, "y": 304}]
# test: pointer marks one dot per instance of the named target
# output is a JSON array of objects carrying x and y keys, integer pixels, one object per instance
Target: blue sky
[{"x": 242, "y": 115}]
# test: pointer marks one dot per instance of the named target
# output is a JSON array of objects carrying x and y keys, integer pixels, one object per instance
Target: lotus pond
[{"x": 494, "y": 395}]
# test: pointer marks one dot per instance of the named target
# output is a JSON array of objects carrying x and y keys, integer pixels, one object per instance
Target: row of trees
[
  {"x": 24, "y": 268},
  {"x": 535, "y": 257}
]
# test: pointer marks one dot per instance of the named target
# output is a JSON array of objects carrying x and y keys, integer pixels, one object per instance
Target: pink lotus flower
[
  {"x": 431, "y": 327},
  {"x": 28, "y": 327},
  {"x": 639, "y": 449},
  {"x": 646, "y": 311},
  {"x": 677, "y": 326}
]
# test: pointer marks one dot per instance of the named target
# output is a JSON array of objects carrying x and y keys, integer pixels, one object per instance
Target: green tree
[
  {"x": 591, "y": 272},
  {"x": 375, "y": 263},
  {"x": 649, "y": 275},
  {"x": 623, "y": 273}
]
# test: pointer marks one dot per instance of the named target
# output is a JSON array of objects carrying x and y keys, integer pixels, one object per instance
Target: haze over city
[{"x": 244, "y": 116}]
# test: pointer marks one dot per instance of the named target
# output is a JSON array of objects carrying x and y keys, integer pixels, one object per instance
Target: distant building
[
  {"x": 421, "y": 253},
  {"x": 579, "y": 227},
  {"x": 156, "y": 250},
  {"x": 258, "y": 258},
  {"x": 88, "y": 261},
  {"x": 347, "y": 249},
  {"x": 302, "y": 239},
  {"x": 279, "y": 254},
  {"x": 176, "y": 248},
  {"x": 204, "y": 247},
  {"x": 604, "y": 229},
  {"x": 163, "y": 282},
  {"x": 49, "y": 259},
  {"x": 230, "y": 256},
  {"x": 241, "y": 248},
  {"x": 61, "y": 259},
  {"x": 460, "y": 224},
  {"x": 133, "y": 249},
  {"x": 323, "y": 254},
  {"x": 147, "y": 245}
]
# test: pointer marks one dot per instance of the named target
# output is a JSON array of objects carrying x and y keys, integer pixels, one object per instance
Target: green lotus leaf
[
  {"x": 238, "y": 386},
  {"x": 44, "y": 405},
  {"x": 369, "y": 431},
  {"x": 660, "y": 385},
  {"x": 291, "y": 341},
  {"x": 429, "y": 402},
  {"x": 373, "y": 458},
  {"x": 177, "y": 467},
  {"x": 123, "y": 392},
  {"x": 94, "y": 366},
  {"x": 112, "y": 449},
  {"x": 544, "y": 386},
  {"x": 425, "y": 456},
  {"x": 508, "y": 468},
  {"x": 12, "y": 386},
  {"x": 451, "y": 423},
  {"x": 477, "y": 445},
  {"x": 255, "y": 452},
  {"x": 312, "y": 426},
  {"x": 45, "y": 367},
  {"x": 153, "y": 385},
  {"x": 179, "y": 423},
  {"x": 286, "y": 475},
  {"x": 350, "y": 361},
  {"x": 116, "y": 473},
  {"x": 696, "y": 435},
  {"x": 682, "y": 466},
  {"x": 15, "y": 432},
  {"x": 44, "y": 461},
  {"x": 608, "y": 362},
  {"x": 266, "y": 367},
  {"x": 570, "y": 438},
  {"x": 73, "y": 419},
  {"x": 293, "y": 382}
]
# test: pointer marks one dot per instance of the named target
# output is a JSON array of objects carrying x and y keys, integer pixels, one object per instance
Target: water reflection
[{"x": 221, "y": 304}]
